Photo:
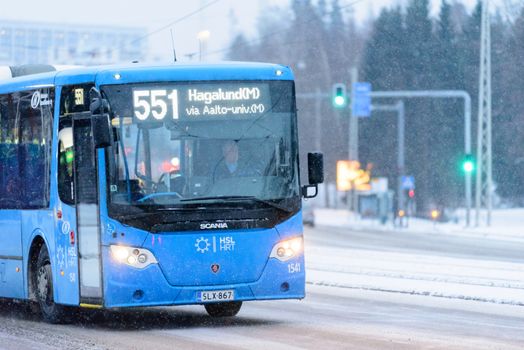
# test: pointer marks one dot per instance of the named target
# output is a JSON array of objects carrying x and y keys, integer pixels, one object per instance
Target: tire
[
  {"x": 51, "y": 312},
  {"x": 227, "y": 309}
]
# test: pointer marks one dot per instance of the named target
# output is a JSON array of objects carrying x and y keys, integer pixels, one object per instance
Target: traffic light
[
  {"x": 339, "y": 96},
  {"x": 468, "y": 165},
  {"x": 411, "y": 193}
]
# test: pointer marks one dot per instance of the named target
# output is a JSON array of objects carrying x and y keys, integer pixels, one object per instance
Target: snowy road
[
  {"x": 490, "y": 270},
  {"x": 345, "y": 307}
]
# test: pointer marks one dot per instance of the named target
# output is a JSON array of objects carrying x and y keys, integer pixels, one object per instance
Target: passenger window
[{"x": 26, "y": 120}]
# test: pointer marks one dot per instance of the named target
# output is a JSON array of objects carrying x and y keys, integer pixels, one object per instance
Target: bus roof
[{"x": 138, "y": 72}]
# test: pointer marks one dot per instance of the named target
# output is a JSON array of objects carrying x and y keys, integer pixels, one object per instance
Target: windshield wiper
[{"x": 226, "y": 199}]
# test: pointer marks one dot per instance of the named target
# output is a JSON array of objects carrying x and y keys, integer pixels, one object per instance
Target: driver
[{"x": 229, "y": 165}]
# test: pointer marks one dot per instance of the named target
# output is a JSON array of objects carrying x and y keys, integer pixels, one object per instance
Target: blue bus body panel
[
  {"x": 248, "y": 269},
  {"x": 11, "y": 280},
  {"x": 186, "y": 259},
  {"x": 35, "y": 223},
  {"x": 29, "y": 82},
  {"x": 135, "y": 73},
  {"x": 190, "y": 72},
  {"x": 11, "y": 233},
  {"x": 75, "y": 77},
  {"x": 65, "y": 257}
]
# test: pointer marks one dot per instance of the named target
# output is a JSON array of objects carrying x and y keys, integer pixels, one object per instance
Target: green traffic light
[
  {"x": 339, "y": 96},
  {"x": 340, "y": 101},
  {"x": 468, "y": 165}
]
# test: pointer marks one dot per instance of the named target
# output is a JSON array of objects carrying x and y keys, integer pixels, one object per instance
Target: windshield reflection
[{"x": 248, "y": 161}]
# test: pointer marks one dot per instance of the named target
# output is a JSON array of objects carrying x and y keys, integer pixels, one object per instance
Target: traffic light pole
[
  {"x": 467, "y": 123},
  {"x": 353, "y": 122},
  {"x": 353, "y": 140},
  {"x": 399, "y": 108},
  {"x": 424, "y": 94}
]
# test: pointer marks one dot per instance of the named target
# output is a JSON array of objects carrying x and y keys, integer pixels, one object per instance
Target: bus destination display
[{"x": 200, "y": 101}]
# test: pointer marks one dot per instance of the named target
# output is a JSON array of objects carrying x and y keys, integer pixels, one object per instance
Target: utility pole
[
  {"x": 353, "y": 121},
  {"x": 353, "y": 139},
  {"x": 484, "y": 170}
]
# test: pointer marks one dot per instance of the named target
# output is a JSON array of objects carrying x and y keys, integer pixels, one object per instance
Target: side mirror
[
  {"x": 101, "y": 130},
  {"x": 315, "y": 166},
  {"x": 100, "y": 121}
]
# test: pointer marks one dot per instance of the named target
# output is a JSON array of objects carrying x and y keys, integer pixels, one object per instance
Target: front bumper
[{"x": 126, "y": 286}]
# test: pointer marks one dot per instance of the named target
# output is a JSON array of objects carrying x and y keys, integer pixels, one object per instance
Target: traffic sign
[
  {"x": 361, "y": 99},
  {"x": 408, "y": 182}
]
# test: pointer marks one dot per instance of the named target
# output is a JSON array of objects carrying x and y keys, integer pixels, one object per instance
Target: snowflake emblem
[{"x": 202, "y": 245}]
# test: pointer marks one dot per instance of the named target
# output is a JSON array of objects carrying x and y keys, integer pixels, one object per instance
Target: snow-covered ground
[
  {"x": 456, "y": 278},
  {"x": 506, "y": 224},
  {"x": 421, "y": 273}
]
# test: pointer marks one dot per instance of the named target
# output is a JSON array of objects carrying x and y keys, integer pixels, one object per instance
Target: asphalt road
[{"x": 329, "y": 317}]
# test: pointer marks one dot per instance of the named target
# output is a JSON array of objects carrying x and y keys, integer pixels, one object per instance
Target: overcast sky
[{"x": 155, "y": 14}]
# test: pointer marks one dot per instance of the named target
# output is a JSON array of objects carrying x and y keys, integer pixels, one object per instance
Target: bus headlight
[
  {"x": 287, "y": 249},
  {"x": 136, "y": 257}
]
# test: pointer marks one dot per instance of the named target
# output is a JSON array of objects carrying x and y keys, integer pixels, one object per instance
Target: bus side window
[
  {"x": 65, "y": 163},
  {"x": 25, "y": 146}
]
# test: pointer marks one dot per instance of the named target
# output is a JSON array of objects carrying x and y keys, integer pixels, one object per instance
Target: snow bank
[{"x": 507, "y": 224}]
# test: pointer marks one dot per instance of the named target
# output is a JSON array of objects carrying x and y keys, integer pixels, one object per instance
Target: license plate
[{"x": 216, "y": 295}]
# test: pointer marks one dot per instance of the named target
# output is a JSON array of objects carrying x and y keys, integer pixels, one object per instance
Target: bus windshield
[{"x": 198, "y": 144}]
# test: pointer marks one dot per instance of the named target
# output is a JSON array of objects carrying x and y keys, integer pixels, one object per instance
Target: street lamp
[{"x": 203, "y": 37}]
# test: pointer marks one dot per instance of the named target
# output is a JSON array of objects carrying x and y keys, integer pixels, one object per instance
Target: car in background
[{"x": 308, "y": 213}]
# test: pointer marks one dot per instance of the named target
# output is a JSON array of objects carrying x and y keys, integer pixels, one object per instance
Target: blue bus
[{"x": 148, "y": 185}]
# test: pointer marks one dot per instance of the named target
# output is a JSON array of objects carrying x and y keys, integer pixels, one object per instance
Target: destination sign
[{"x": 200, "y": 101}]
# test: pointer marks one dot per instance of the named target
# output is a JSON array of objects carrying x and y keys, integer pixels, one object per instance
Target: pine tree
[
  {"x": 418, "y": 43},
  {"x": 419, "y": 73},
  {"x": 306, "y": 53},
  {"x": 508, "y": 107},
  {"x": 447, "y": 140},
  {"x": 339, "y": 57},
  {"x": 383, "y": 68},
  {"x": 384, "y": 56}
]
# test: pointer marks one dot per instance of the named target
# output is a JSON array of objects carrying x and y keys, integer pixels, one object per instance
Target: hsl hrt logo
[{"x": 202, "y": 245}]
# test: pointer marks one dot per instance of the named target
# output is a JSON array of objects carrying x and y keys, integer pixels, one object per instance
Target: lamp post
[{"x": 203, "y": 37}]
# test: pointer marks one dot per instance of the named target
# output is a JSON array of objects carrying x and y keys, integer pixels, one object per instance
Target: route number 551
[{"x": 155, "y": 103}]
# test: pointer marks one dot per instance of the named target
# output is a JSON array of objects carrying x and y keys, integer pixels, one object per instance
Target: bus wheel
[
  {"x": 228, "y": 309},
  {"x": 51, "y": 312}
]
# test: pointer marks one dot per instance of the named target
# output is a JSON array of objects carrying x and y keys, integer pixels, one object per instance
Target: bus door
[{"x": 87, "y": 211}]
